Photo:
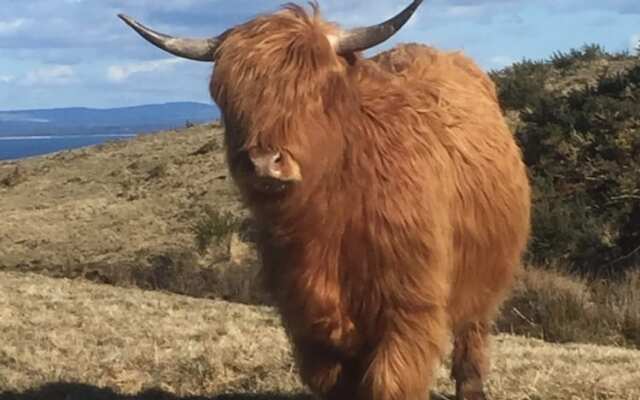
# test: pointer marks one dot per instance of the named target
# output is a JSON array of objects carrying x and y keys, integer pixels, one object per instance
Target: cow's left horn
[
  {"x": 360, "y": 39},
  {"x": 191, "y": 48}
]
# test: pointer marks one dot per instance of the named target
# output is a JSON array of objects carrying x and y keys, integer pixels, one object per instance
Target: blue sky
[{"x": 56, "y": 53}]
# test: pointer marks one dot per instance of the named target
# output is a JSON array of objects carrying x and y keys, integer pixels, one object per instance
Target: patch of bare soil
[{"x": 69, "y": 339}]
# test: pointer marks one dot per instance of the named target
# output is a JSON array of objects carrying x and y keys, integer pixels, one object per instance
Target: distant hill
[{"x": 87, "y": 121}]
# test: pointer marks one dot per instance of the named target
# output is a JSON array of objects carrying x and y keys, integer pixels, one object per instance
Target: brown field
[
  {"x": 118, "y": 343},
  {"x": 116, "y": 261}
]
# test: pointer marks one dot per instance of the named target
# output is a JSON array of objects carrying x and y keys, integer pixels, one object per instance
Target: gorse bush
[
  {"x": 213, "y": 226},
  {"x": 522, "y": 85},
  {"x": 588, "y": 53},
  {"x": 583, "y": 152}
]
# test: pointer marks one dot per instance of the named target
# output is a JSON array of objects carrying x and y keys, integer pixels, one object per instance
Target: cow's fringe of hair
[{"x": 412, "y": 214}]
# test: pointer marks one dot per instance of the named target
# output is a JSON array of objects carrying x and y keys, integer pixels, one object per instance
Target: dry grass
[
  {"x": 113, "y": 343},
  {"x": 123, "y": 214},
  {"x": 132, "y": 340},
  {"x": 92, "y": 211},
  {"x": 159, "y": 212},
  {"x": 621, "y": 303},
  {"x": 557, "y": 307}
]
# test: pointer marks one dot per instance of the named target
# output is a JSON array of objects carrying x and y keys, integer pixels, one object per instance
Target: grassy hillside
[
  {"x": 122, "y": 213},
  {"x": 70, "y": 340},
  {"x": 128, "y": 269},
  {"x": 160, "y": 213}
]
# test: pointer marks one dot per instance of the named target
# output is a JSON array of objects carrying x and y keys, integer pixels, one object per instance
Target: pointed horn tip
[
  {"x": 189, "y": 48},
  {"x": 360, "y": 39},
  {"x": 128, "y": 20},
  {"x": 132, "y": 22}
]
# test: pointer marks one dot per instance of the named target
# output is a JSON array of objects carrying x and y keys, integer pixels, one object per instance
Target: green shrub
[
  {"x": 521, "y": 85},
  {"x": 213, "y": 226},
  {"x": 588, "y": 53},
  {"x": 583, "y": 153},
  {"x": 583, "y": 150}
]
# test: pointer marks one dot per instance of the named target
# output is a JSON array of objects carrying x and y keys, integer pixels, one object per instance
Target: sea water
[{"x": 16, "y": 147}]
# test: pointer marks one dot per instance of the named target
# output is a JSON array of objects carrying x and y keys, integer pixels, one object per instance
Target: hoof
[
  {"x": 473, "y": 390},
  {"x": 472, "y": 396}
]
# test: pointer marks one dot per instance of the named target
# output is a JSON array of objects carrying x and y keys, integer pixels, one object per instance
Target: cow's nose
[{"x": 266, "y": 163}]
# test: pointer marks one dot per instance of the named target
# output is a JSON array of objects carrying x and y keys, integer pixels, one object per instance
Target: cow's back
[{"x": 490, "y": 203}]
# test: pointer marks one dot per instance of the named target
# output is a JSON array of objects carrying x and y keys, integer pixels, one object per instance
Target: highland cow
[{"x": 391, "y": 197}]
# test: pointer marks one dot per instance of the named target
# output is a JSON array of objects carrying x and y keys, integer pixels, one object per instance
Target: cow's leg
[
  {"x": 320, "y": 368},
  {"x": 402, "y": 364},
  {"x": 470, "y": 360}
]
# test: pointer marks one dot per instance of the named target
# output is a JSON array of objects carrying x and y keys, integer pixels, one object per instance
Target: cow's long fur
[{"x": 411, "y": 216}]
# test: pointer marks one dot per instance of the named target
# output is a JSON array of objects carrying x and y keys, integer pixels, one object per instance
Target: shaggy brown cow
[{"x": 392, "y": 199}]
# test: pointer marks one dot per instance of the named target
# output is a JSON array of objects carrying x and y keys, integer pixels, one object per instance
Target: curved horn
[
  {"x": 360, "y": 39},
  {"x": 193, "y": 49}
]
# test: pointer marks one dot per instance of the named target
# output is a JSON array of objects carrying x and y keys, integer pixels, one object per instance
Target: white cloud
[
  {"x": 119, "y": 73},
  {"x": 53, "y": 75},
  {"x": 7, "y": 78},
  {"x": 12, "y": 26}
]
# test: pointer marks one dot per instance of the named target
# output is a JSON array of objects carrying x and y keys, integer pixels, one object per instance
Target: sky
[{"x": 63, "y": 53}]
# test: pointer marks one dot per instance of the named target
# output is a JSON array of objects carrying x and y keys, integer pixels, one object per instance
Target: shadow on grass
[{"x": 77, "y": 391}]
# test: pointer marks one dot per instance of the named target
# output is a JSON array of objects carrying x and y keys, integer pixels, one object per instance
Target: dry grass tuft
[
  {"x": 557, "y": 307},
  {"x": 65, "y": 339},
  {"x": 621, "y": 303},
  {"x": 11, "y": 175}
]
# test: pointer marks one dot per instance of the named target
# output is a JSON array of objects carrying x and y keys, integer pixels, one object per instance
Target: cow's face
[
  {"x": 260, "y": 169},
  {"x": 270, "y": 81},
  {"x": 278, "y": 154}
]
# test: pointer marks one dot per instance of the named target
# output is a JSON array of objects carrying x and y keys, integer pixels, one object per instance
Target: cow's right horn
[
  {"x": 360, "y": 39},
  {"x": 191, "y": 48}
]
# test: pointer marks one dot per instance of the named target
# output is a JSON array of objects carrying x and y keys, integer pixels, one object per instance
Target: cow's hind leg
[{"x": 471, "y": 360}]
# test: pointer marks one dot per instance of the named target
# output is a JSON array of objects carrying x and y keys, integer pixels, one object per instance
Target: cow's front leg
[
  {"x": 324, "y": 341},
  {"x": 320, "y": 367},
  {"x": 402, "y": 364}
]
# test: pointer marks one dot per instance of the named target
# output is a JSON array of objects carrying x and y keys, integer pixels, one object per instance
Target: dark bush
[
  {"x": 583, "y": 152},
  {"x": 588, "y": 53},
  {"x": 521, "y": 85}
]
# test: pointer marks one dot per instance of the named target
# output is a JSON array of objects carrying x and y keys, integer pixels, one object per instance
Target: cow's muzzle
[
  {"x": 267, "y": 164},
  {"x": 273, "y": 170}
]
